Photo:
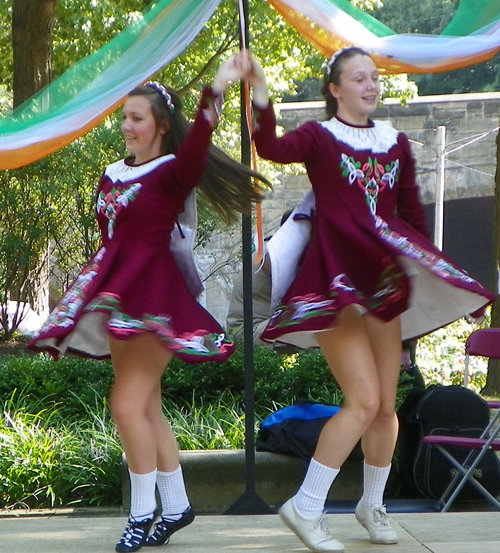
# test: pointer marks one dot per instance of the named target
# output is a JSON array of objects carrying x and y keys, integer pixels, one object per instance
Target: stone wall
[{"x": 471, "y": 122}]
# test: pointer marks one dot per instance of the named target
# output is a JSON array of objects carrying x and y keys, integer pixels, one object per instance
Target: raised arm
[
  {"x": 294, "y": 146},
  {"x": 191, "y": 157}
]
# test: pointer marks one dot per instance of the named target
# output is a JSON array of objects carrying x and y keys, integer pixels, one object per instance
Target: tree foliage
[
  {"x": 83, "y": 26},
  {"x": 426, "y": 17},
  {"x": 431, "y": 17},
  {"x": 27, "y": 216}
]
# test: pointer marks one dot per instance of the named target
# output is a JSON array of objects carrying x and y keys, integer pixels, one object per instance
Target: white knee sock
[
  {"x": 142, "y": 494},
  {"x": 374, "y": 482},
  {"x": 174, "y": 499},
  {"x": 311, "y": 497}
]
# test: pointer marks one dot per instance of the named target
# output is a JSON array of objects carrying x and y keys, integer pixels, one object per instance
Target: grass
[{"x": 47, "y": 462}]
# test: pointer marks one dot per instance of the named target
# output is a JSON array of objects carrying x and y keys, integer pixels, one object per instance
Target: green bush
[
  {"x": 74, "y": 382},
  {"x": 46, "y": 461},
  {"x": 71, "y": 382},
  {"x": 278, "y": 379},
  {"x": 58, "y": 445}
]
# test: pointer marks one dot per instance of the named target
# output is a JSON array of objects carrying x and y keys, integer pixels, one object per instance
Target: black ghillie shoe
[
  {"x": 165, "y": 527},
  {"x": 135, "y": 535}
]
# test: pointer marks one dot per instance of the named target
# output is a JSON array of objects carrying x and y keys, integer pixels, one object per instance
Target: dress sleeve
[
  {"x": 294, "y": 146},
  {"x": 409, "y": 206},
  {"x": 192, "y": 156}
]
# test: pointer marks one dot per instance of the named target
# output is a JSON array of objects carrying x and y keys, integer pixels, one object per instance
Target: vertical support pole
[
  {"x": 439, "y": 214},
  {"x": 250, "y": 503}
]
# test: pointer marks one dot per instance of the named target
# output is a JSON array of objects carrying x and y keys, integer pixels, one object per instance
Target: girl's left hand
[{"x": 232, "y": 70}]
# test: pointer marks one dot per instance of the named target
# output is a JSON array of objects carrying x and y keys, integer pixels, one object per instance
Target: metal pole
[
  {"x": 250, "y": 503},
  {"x": 439, "y": 213}
]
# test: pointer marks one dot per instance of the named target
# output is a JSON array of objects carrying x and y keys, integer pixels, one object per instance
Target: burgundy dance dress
[
  {"x": 368, "y": 242},
  {"x": 133, "y": 283}
]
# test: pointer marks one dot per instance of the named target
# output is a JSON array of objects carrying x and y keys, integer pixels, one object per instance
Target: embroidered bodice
[{"x": 359, "y": 172}]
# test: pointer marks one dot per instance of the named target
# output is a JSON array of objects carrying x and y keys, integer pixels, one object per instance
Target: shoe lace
[
  {"x": 380, "y": 516},
  {"x": 323, "y": 526},
  {"x": 133, "y": 532},
  {"x": 163, "y": 524}
]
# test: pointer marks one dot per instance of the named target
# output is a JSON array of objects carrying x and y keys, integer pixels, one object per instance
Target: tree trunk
[
  {"x": 492, "y": 387},
  {"x": 32, "y": 25}
]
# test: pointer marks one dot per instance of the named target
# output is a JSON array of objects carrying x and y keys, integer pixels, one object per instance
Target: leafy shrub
[
  {"x": 73, "y": 382},
  {"x": 278, "y": 379},
  {"x": 441, "y": 356},
  {"x": 60, "y": 447},
  {"x": 47, "y": 462}
]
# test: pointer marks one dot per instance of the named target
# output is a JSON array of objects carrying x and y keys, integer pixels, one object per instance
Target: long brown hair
[
  {"x": 332, "y": 75},
  {"x": 227, "y": 184}
]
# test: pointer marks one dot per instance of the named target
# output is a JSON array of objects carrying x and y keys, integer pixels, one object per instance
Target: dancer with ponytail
[
  {"x": 135, "y": 299},
  {"x": 368, "y": 277}
]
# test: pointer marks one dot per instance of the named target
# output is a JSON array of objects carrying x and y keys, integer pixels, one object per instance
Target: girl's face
[
  {"x": 142, "y": 135},
  {"x": 358, "y": 93}
]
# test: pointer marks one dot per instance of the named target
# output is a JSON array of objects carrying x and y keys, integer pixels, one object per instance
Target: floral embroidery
[
  {"x": 210, "y": 345},
  {"x": 391, "y": 174},
  {"x": 342, "y": 282},
  {"x": 213, "y": 110},
  {"x": 427, "y": 259},
  {"x": 303, "y": 308},
  {"x": 351, "y": 169},
  {"x": 372, "y": 178},
  {"x": 391, "y": 288},
  {"x": 300, "y": 309},
  {"x": 111, "y": 203},
  {"x": 65, "y": 311}
]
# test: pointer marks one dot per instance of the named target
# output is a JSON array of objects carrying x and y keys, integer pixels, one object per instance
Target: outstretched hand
[
  {"x": 231, "y": 70},
  {"x": 254, "y": 74},
  {"x": 242, "y": 66}
]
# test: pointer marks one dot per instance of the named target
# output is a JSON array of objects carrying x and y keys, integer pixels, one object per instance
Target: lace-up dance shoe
[
  {"x": 314, "y": 533},
  {"x": 135, "y": 535},
  {"x": 165, "y": 527},
  {"x": 378, "y": 524}
]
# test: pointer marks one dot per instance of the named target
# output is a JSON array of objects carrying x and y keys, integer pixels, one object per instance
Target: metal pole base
[{"x": 249, "y": 504}]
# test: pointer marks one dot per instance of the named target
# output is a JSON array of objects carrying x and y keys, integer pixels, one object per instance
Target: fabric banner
[
  {"x": 333, "y": 24},
  {"x": 94, "y": 87},
  {"x": 472, "y": 16}
]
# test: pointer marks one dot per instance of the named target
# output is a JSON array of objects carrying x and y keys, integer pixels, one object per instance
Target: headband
[
  {"x": 164, "y": 93},
  {"x": 335, "y": 57}
]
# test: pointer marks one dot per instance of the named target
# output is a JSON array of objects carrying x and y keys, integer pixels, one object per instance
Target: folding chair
[{"x": 483, "y": 342}]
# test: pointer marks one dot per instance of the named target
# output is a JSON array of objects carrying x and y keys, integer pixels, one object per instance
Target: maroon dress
[
  {"x": 133, "y": 283},
  {"x": 369, "y": 244}
]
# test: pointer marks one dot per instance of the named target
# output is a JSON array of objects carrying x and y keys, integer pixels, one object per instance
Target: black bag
[
  {"x": 294, "y": 430},
  {"x": 446, "y": 411}
]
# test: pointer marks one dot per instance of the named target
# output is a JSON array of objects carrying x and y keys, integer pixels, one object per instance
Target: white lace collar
[
  {"x": 121, "y": 171},
  {"x": 379, "y": 139}
]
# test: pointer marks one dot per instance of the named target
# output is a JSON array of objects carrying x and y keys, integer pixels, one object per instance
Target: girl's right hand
[
  {"x": 254, "y": 74},
  {"x": 255, "y": 77}
]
